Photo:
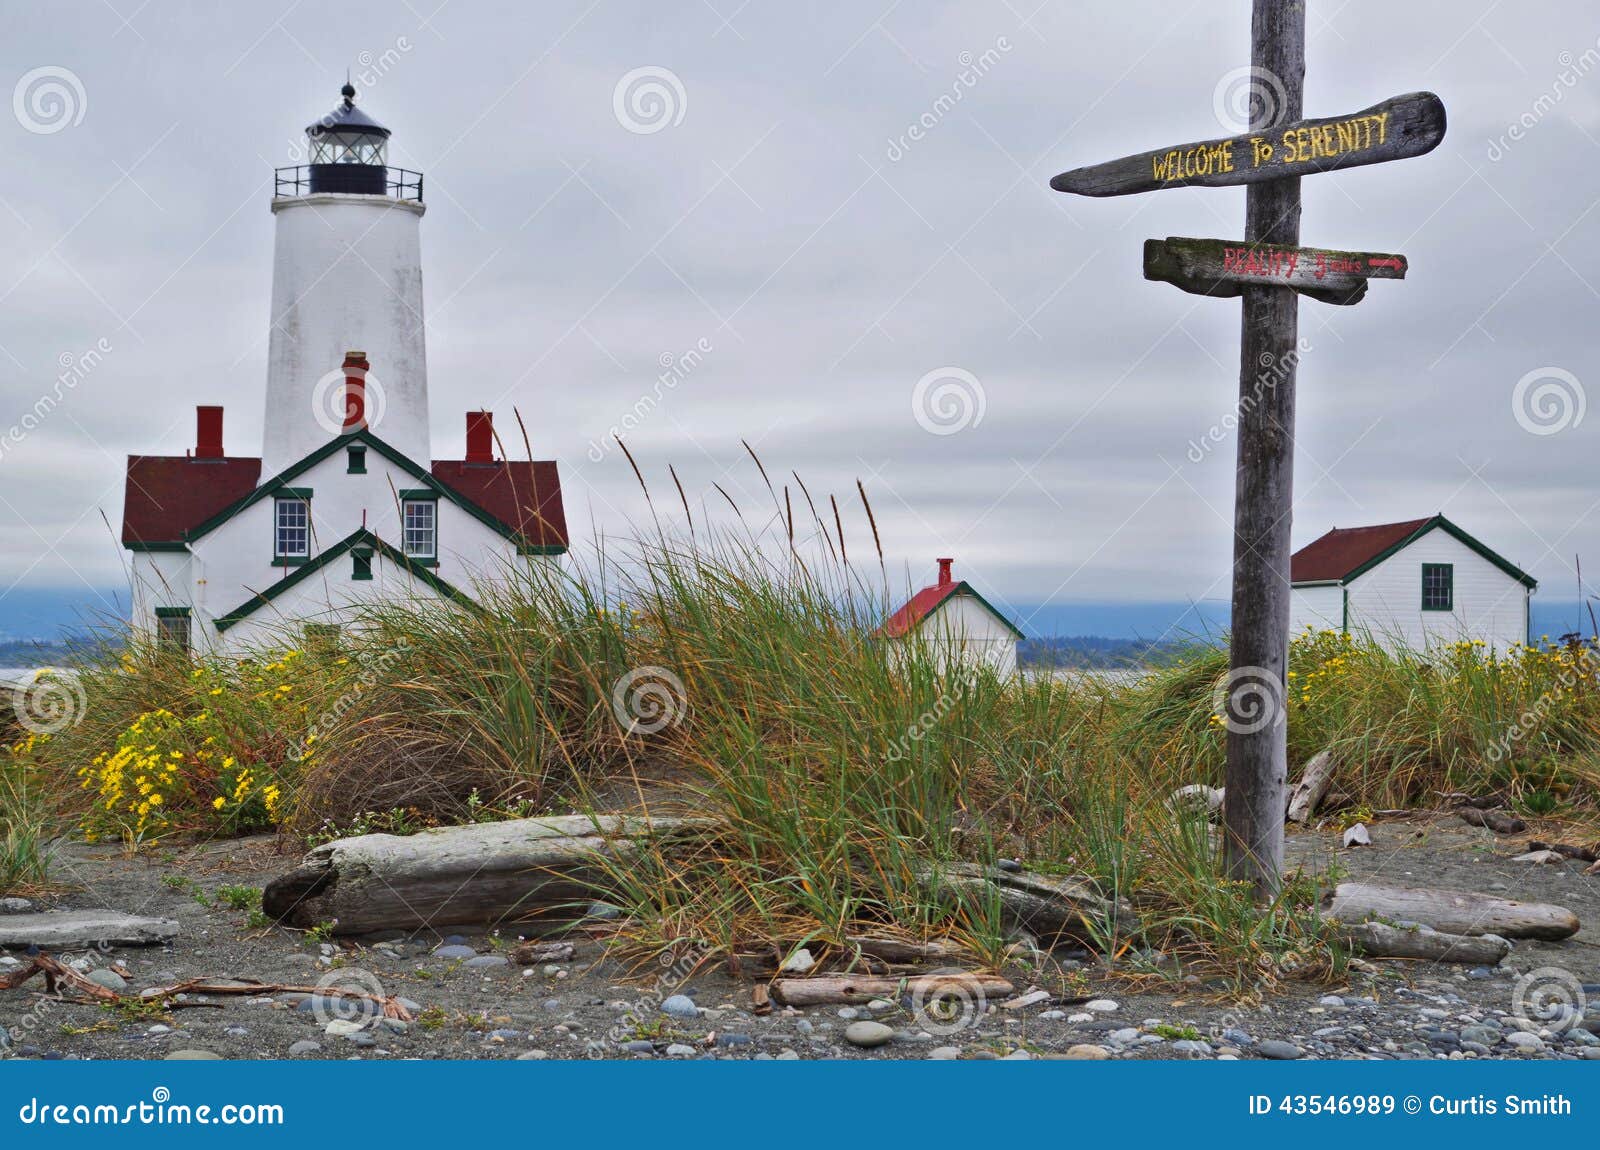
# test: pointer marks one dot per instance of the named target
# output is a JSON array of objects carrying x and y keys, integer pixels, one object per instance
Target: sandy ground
[{"x": 591, "y": 1006}]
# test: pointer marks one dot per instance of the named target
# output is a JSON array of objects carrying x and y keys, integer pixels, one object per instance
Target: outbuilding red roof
[
  {"x": 1338, "y": 553},
  {"x": 929, "y": 600},
  {"x": 167, "y": 494},
  {"x": 523, "y": 495}
]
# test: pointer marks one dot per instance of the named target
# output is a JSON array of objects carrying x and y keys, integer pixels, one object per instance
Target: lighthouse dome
[{"x": 348, "y": 150}]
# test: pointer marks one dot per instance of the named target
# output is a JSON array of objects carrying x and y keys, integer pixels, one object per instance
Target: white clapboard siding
[
  {"x": 1488, "y": 603},
  {"x": 1320, "y": 608}
]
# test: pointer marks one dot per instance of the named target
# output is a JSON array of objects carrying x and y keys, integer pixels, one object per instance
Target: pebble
[
  {"x": 1330, "y": 1000},
  {"x": 454, "y": 950},
  {"x": 343, "y": 1028},
  {"x": 1522, "y": 1040},
  {"x": 1086, "y": 1052},
  {"x": 680, "y": 1006},
  {"x": 1100, "y": 1005},
  {"x": 799, "y": 962},
  {"x": 304, "y": 1046},
  {"x": 639, "y": 1046},
  {"x": 788, "y": 1055},
  {"x": 1018, "y": 1055},
  {"x": 1125, "y": 1034},
  {"x": 679, "y": 1050},
  {"x": 733, "y": 1040},
  {"x": 193, "y": 1056},
  {"x": 1080, "y": 1017},
  {"x": 533, "y": 1056},
  {"x": 868, "y": 1034},
  {"x": 944, "y": 1054},
  {"x": 603, "y": 911},
  {"x": 1191, "y": 1046},
  {"x": 486, "y": 960},
  {"x": 1053, "y": 1016},
  {"x": 1592, "y": 1053},
  {"x": 848, "y": 1013},
  {"x": 1277, "y": 1049},
  {"x": 15, "y": 906},
  {"x": 108, "y": 979},
  {"x": 237, "y": 1032},
  {"x": 1483, "y": 1035}
]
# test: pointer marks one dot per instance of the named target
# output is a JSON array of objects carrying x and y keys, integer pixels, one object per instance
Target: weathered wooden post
[
  {"x": 1258, "y": 654},
  {"x": 1270, "y": 271}
]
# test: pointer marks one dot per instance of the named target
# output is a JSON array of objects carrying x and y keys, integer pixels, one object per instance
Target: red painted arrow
[{"x": 1397, "y": 265}]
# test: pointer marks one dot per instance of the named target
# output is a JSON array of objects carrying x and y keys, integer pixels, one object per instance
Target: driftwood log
[
  {"x": 1496, "y": 821},
  {"x": 1313, "y": 785},
  {"x": 1414, "y": 940},
  {"x": 832, "y": 990},
  {"x": 1449, "y": 911},
  {"x": 1055, "y": 909},
  {"x": 894, "y": 950},
  {"x": 487, "y": 873}
]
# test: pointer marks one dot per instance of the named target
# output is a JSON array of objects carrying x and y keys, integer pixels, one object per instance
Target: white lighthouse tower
[
  {"x": 345, "y": 504},
  {"x": 346, "y": 274}
]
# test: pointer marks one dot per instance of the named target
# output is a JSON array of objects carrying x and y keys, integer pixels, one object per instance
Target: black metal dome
[{"x": 348, "y": 118}]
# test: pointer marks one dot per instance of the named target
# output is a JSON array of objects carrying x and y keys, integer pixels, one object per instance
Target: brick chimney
[
  {"x": 944, "y": 572},
  {"x": 480, "y": 437},
  {"x": 208, "y": 432},
  {"x": 355, "y": 390}
]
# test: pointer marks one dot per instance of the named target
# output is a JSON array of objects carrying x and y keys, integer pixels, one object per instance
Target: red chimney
[
  {"x": 944, "y": 572},
  {"x": 208, "y": 432},
  {"x": 355, "y": 390},
  {"x": 480, "y": 437}
]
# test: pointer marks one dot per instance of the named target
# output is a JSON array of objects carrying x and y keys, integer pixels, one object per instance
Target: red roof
[
  {"x": 1342, "y": 550},
  {"x": 918, "y": 608},
  {"x": 523, "y": 495},
  {"x": 166, "y": 495}
]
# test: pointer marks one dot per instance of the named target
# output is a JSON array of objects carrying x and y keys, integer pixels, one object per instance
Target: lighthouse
[
  {"x": 345, "y": 503},
  {"x": 346, "y": 274}
]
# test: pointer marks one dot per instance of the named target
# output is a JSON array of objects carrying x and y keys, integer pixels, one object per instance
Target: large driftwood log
[
  {"x": 1053, "y": 908},
  {"x": 906, "y": 953},
  {"x": 1381, "y": 940},
  {"x": 864, "y": 988},
  {"x": 1450, "y": 911},
  {"x": 1313, "y": 785},
  {"x": 482, "y": 874}
]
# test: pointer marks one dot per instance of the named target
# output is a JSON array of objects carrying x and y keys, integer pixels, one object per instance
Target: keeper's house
[
  {"x": 957, "y": 623},
  {"x": 345, "y": 504},
  {"x": 1410, "y": 585}
]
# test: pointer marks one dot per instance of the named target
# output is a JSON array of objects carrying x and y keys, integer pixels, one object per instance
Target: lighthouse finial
[{"x": 349, "y": 89}]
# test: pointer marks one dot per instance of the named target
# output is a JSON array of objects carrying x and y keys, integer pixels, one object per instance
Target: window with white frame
[
  {"x": 421, "y": 528},
  {"x": 293, "y": 538}
]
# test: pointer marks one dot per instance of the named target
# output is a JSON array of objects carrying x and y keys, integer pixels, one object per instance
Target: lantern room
[{"x": 348, "y": 150}]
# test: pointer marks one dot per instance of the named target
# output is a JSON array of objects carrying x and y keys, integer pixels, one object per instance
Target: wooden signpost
[
  {"x": 1270, "y": 270},
  {"x": 1225, "y": 268}
]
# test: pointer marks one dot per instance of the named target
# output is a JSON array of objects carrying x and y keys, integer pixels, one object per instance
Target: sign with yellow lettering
[{"x": 1397, "y": 129}]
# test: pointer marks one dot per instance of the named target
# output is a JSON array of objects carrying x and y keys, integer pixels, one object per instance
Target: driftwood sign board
[
  {"x": 1397, "y": 129},
  {"x": 1225, "y": 268}
]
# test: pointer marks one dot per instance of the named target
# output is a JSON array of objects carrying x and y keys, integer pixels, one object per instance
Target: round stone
[
  {"x": 680, "y": 1006},
  {"x": 193, "y": 1056},
  {"x": 1085, "y": 1052},
  {"x": 680, "y": 1050},
  {"x": 486, "y": 960},
  {"x": 1277, "y": 1049},
  {"x": 868, "y": 1034},
  {"x": 454, "y": 950},
  {"x": 944, "y": 1054},
  {"x": 109, "y": 979},
  {"x": 304, "y": 1046},
  {"x": 1100, "y": 1005}
]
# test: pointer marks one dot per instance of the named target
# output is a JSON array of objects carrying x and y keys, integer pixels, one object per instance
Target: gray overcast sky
[{"x": 783, "y": 214}]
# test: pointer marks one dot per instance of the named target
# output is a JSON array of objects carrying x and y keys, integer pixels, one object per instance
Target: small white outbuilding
[
  {"x": 954, "y": 618},
  {"x": 1410, "y": 585}
]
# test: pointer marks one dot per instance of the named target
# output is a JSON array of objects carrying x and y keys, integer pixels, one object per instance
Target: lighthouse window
[
  {"x": 421, "y": 528},
  {"x": 293, "y": 529}
]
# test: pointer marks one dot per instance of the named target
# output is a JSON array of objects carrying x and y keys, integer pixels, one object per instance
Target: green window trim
[
  {"x": 172, "y": 612},
  {"x": 424, "y": 495},
  {"x": 1443, "y": 578},
  {"x": 288, "y": 495},
  {"x": 361, "y": 567},
  {"x": 357, "y": 459}
]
